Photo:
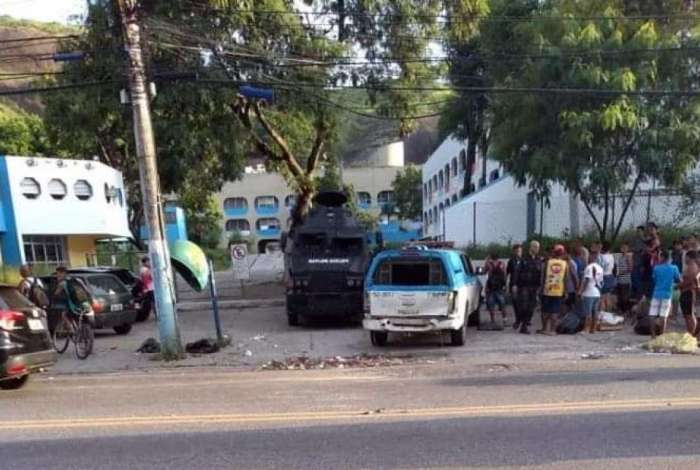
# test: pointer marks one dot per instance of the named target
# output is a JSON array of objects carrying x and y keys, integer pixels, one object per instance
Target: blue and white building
[{"x": 52, "y": 211}]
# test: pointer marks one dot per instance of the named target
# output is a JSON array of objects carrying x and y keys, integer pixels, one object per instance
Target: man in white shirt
[{"x": 590, "y": 292}]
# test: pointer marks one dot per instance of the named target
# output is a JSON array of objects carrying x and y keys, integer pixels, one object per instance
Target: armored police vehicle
[{"x": 326, "y": 256}]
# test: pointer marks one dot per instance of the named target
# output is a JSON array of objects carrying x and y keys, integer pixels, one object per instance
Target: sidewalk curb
[{"x": 230, "y": 304}]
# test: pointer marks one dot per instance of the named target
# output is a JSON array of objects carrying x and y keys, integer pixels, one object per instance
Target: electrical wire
[{"x": 46, "y": 89}]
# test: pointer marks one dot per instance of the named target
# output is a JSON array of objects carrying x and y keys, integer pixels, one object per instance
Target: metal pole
[
  {"x": 215, "y": 303},
  {"x": 171, "y": 347},
  {"x": 474, "y": 225}
]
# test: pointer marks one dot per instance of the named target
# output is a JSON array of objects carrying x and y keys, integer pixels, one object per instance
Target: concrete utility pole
[{"x": 171, "y": 347}]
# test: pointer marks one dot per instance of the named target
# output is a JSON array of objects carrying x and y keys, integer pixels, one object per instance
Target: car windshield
[
  {"x": 11, "y": 299},
  {"x": 124, "y": 275},
  {"x": 103, "y": 285},
  {"x": 419, "y": 272}
]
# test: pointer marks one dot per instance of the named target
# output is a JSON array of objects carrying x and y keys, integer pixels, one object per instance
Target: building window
[
  {"x": 385, "y": 197},
  {"x": 430, "y": 218},
  {"x": 82, "y": 190},
  {"x": 425, "y": 191},
  {"x": 364, "y": 198},
  {"x": 57, "y": 189},
  {"x": 30, "y": 188},
  {"x": 266, "y": 203},
  {"x": 44, "y": 249},
  {"x": 441, "y": 180},
  {"x": 290, "y": 200},
  {"x": 238, "y": 225},
  {"x": 447, "y": 177},
  {"x": 268, "y": 223},
  {"x": 108, "y": 194},
  {"x": 462, "y": 161},
  {"x": 495, "y": 174},
  {"x": 447, "y": 203},
  {"x": 454, "y": 167},
  {"x": 435, "y": 183},
  {"x": 425, "y": 217},
  {"x": 236, "y": 203},
  {"x": 454, "y": 199},
  {"x": 430, "y": 188}
]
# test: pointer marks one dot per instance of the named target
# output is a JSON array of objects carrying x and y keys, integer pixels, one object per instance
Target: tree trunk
[{"x": 628, "y": 202}]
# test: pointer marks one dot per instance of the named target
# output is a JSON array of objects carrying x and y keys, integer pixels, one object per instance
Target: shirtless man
[{"x": 689, "y": 288}]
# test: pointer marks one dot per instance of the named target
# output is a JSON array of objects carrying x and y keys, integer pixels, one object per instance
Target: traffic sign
[{"x": 239, "y": 262}]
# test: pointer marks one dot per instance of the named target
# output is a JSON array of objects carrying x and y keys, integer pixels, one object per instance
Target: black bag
[
  {"x": 643, "y": 325},
  {"x": 570, "y": 324},
  {"x": 38, "y": 295}
]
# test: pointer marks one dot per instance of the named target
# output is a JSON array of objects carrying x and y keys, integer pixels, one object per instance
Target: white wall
[{"x": 67, "y": 216}]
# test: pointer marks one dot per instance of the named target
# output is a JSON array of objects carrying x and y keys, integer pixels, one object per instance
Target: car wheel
[
  {"x": 123, "y": 329},
  {"x": 14, "y": 384},
  {"x": 292, "y": 319},
  {"x": 459, "y": 337},
  {"x": 143, "y": 315},
  {"x": 379, "y": 338},
  {"x": 474, "y": 318}
]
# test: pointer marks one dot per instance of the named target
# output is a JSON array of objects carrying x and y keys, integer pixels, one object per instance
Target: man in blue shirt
[{"x": 665, "y": 277}]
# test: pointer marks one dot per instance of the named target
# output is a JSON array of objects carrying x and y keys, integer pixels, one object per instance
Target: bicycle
[{"x": 76, "y": 328}]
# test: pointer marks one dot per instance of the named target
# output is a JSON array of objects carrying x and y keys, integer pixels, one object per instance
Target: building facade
[
  {"x": 445, "y": 175},
  {"x": 52, "y": 211},
  {"x": 259, "y": 205}
]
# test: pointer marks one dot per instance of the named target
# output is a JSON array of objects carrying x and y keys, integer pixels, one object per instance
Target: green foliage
[
  {"x": 595, "y": 145},
  {"x": 408, "y": 196},
  {"x": 52, "y": 28},
  {"x": 203, "y": 218},
  {"x": 21, "y": 133}
]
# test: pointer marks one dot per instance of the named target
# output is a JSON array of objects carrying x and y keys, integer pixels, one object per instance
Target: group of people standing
[{"x": 642, "y": 277}]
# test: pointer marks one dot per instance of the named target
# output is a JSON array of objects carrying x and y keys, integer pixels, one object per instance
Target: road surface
[{"x": 643, "y": 413}]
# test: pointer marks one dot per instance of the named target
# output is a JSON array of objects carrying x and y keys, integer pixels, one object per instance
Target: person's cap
[
  {"x": 559, "y": 250},
  {"x": 145, "y": 259}
]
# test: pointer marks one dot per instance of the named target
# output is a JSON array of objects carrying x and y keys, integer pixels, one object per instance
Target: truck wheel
[
  {"x": 379, "y": 338},
  {"x": 14, "y": 384},
  {"x": 124, "y": 329},
  {"x": 292, "y": 319},
  {"x": 459, "y": 337},
  {"x": 475, "y": 318}
]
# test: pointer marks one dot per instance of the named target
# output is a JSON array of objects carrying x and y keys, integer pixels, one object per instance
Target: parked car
[
  {"x": 110, "y": 298},
  {"x": 130, "y": 280},
  {"x": 25, "y": 344},
  {"x": 418, "y": 289}
]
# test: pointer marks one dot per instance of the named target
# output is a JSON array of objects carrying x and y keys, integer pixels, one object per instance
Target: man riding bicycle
[{"x": 70, "y": 302}]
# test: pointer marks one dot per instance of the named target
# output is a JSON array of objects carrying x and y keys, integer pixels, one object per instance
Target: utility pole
[{"x": 168, "y": 330}]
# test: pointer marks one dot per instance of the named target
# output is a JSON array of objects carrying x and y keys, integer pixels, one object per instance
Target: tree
[
  {"x": 408, "y": 196},
  {"x": 21, "y": 133},
  {"x": 600, "y": 145}
]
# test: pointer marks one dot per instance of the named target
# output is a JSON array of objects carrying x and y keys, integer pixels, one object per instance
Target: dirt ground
[{"x": 261, "y": 335}]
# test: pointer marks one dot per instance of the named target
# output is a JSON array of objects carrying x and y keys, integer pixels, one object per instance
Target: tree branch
[
  {"x": 317, "y": 149},
  {"x": 628, "y": 202},
  {"x": 242, "y": 113},
  {"x": 588, "y": 207},
  {"x": 292, "y": 163}
]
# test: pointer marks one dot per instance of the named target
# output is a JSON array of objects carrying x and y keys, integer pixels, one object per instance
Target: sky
[{"x": 42, "y": 10}]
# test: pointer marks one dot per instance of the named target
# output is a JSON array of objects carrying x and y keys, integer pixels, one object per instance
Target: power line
[
  {"x": 67, "y": 86},
  {"x": 475, "y": 89}
]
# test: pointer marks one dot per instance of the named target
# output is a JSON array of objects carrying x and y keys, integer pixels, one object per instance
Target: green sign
[{"x": 191, "y": 263}]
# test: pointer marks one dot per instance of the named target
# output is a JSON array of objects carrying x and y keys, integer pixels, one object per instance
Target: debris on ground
[
  {"x": 594, "y": 356},
  {"x": 202, "y": 346},
  {"x": 337, "y": 362},
  {"x": 149, "y": 346},
  {"x": 674, "y": 343},
  {"x": 258, "y": 338},
  {"x": 248, "y": 353},
  {"x": 610, "y": 319}
]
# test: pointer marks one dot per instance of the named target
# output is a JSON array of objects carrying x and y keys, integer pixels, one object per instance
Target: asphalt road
[{"x": 643, "y": 413}]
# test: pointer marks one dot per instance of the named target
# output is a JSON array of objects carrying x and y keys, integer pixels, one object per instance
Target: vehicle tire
[
  {"x": 124, "y": 329},
  {"x": 459, "y": 337},
  {"x": 379, "y": 338},
  {"x": 143, "y": 314},
  {"x": 292, "y": 319},
  {"x": 84, "y": 340},
  {"x": 61, "y": 335},
  {"x": 14, "y": 384},
  {"x": 474, "y": 318}
]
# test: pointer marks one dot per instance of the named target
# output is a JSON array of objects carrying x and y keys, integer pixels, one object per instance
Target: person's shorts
[
  {"x": 495, "y": 299},
  {"x": 570, "y": 299},
  {"x": 552, "y": 305},
  {"x": 609, "y": 284},
  {"x": 660, "y": 308},
  {"x": 589, "y": 306},
  {"x": 687, "y": 302}
]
